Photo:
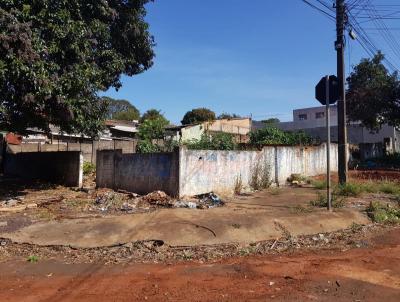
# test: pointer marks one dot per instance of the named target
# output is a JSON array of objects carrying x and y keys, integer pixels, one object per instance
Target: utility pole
[{"x": 341, "y": 104}]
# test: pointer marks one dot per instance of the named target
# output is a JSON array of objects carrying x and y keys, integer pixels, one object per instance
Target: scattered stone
[{"x": 3, "y": 223}]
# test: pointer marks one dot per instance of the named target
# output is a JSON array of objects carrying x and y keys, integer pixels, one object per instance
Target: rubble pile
[
  {"x": 111, "y": 201},
  {"x": 158, "y": 198},
  {"x": 202, "y": 201}
]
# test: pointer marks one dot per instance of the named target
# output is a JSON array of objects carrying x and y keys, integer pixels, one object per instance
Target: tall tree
[
  {"x": 153, "y": 114},
  {"x": 198, "y": 115},
  {"x": 120, "y": 109},
  {"x": 271, "y": 121},
  {"x": 228, "y": 116},
  {"x": 373, "y": 94},
  {"x": 55, "y": 55}
]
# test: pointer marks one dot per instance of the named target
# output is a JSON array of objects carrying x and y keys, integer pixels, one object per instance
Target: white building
[{"x": 312, "y": 121}]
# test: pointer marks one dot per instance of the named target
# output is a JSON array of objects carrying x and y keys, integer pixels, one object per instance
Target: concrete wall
[
  {"x": 191, "y": 172},
  {"x": 139, "y": 173},
  {"x": 203, "y": 171},
  {"x": 191, "y": 133},
  {"x": 88, "y": 150},
  {"x": 241, "y": 126},
  {"x": 56, "y": 167}
]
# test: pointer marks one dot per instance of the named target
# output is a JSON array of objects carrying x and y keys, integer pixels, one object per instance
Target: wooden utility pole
[{"x": 341, "y": 104}]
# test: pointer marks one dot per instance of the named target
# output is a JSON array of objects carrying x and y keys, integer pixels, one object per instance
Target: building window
[
  {"x": 302, "y": 117},
  {"x": 319, "y": 114}
]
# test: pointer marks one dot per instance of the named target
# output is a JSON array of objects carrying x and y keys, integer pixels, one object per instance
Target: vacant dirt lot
[
  {"x": 360, "y": 263},
  {"x": 370, "y": 272}
]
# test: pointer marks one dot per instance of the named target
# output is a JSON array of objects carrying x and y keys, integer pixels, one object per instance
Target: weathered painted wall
[
  {"x": 203, "y": 171},
  {"x": 56, "y": 167},
  {"x": 139, "y": 173},
  {"x": 191, "y": 172},
  {"x": 308, "y": 161}
]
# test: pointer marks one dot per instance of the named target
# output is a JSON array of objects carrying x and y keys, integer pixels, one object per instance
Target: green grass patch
[
  {"x": 389, "y": 188},
  {"x": 319, "y": 184},
  {"x": 322, "y": 201},
  {"x": 349, "y": 189},
  {"x": 381, "y": 213},
  {"x": 33, "y": 259}
]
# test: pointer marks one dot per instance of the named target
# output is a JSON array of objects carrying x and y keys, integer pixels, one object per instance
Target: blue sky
[{"x": 258, "y": 57}]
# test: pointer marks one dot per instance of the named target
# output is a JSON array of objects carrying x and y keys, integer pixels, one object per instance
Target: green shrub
[
  {"x": 322, "y": 201},
  {"x": 146, "y": 146},
  {"x": 389, "y": 188},
  {"x": 383, "y": 214},
  {"x": 216, "y": 141},
  {"x": 33, "y": 259},
  {"x": 297, "y": 178},
  {"x": 88, "y": 168},
  {"x": 275, "y": 136},
  {"x": 349, "y": 189},
  {"x": 319, "y": 184}
]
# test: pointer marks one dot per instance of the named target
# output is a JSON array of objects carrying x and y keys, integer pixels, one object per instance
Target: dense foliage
[
  {"x": 215, "y": 141},
  {"x": 153, "y": 114},
  {"x": 120, "y": 109},
  {"x": 271, "y": 121},
  {"x": 228, "y": 116},
  {"x": 152, "y": 129},
  {"x": 373, "y": 95},
  {"x": 197, "y": 116},
  {"x": 275, "y": 136},
  {"x": 55, "y": 55}
]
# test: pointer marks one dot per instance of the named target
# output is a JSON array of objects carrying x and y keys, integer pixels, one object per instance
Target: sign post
[
  {"x": 328, "y": 147},
  {"x": 326, "y": 92}
]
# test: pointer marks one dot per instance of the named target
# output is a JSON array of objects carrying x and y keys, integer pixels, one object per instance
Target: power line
[
  {"x": 366, "y": 42},
  {"x": 320, "y": 10}
]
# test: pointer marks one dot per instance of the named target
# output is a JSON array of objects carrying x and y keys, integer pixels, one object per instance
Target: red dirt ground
[{"x": 368, "y": 273}]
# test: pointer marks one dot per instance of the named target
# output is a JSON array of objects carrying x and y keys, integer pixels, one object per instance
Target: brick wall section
[{"x": 88, "y": 150}]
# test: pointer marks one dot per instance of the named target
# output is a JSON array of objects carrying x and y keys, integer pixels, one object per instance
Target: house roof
[{"x": 130, "y": 129}]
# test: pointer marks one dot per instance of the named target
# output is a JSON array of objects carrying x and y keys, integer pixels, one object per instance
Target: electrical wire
[
  {"x": 365, "y": 41},
  {"x": 320, "y": 10}
]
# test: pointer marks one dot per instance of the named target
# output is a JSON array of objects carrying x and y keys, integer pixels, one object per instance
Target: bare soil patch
[{"x": 366, "y": 272}]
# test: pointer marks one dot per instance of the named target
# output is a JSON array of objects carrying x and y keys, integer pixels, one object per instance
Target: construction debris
[
  {"x": 202, "y": 201},
  {"x": 158, "y": 198}
]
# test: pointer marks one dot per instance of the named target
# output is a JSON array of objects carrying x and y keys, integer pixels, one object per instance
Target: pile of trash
[
  {"x": 111, "y": 201},
  {"x": 202, "y": 201}
]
